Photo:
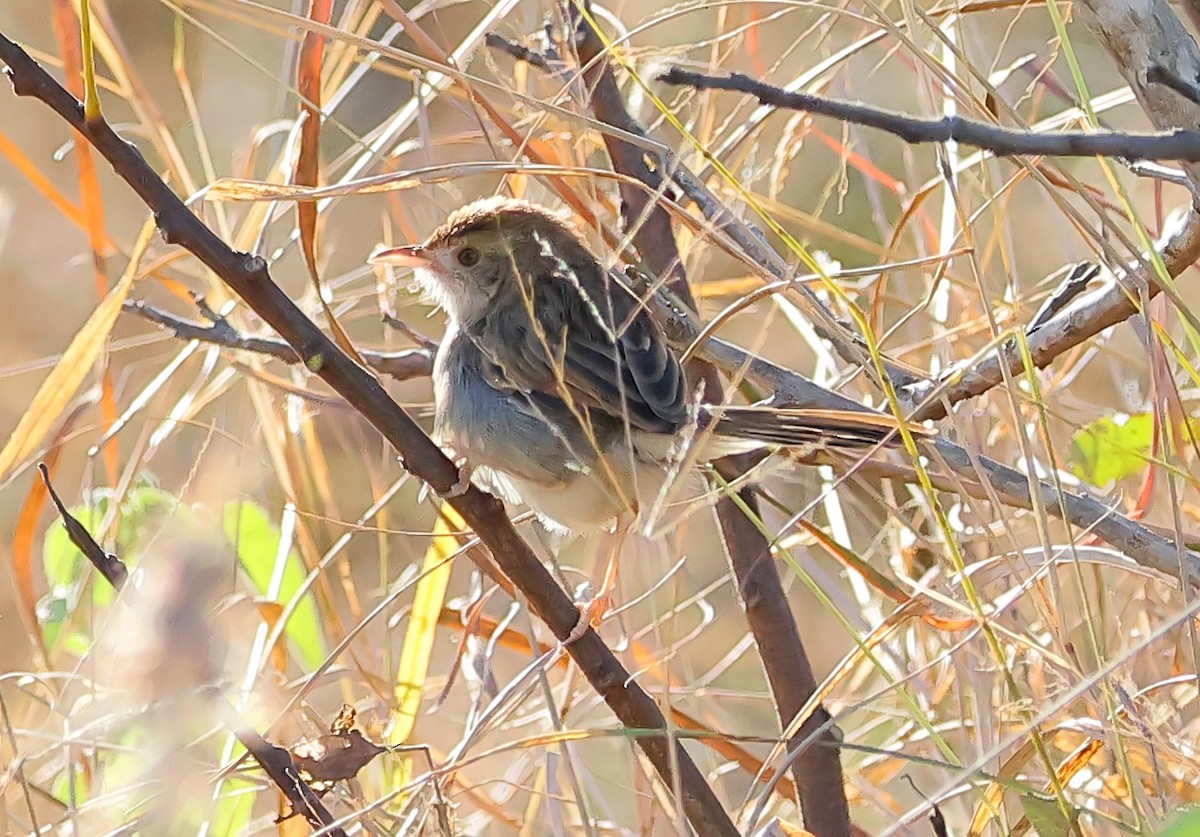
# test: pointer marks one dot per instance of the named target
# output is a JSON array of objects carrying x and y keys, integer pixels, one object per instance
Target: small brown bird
[{"x": 557, "y": 386}]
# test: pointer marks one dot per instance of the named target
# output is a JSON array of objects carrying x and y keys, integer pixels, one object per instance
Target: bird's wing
[{"x": 598, "y": 350}]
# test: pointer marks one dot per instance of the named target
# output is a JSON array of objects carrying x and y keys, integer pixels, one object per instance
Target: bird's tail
[{"x": 801, "y": 427}]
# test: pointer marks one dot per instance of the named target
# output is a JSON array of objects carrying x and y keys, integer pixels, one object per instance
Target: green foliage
[
  {"x": 256, "y": 540},
  {"x": 1187, "y": 824},
  {"x": 144, "y": 508},
  {"x": 1046, "y": 815},
  {"x": 1106, "y": 451},
  {"x": 235, "y": 806}
]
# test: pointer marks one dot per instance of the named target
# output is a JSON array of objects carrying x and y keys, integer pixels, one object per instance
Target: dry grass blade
[
  {"x": 308, "y": 159},
  {"x": 25, "y": 532},
  {"x": 76, "y": 362}
]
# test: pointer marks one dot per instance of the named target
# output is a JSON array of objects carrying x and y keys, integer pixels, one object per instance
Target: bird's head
[{"x": 488, "y": 248}]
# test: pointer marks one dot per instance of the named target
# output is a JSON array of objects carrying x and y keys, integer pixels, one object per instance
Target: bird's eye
[{"x": 468, "y": 257}]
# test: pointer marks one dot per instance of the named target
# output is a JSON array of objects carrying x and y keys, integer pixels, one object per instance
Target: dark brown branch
[
  {"x": 401, "y": 366},
  {"x": 816, "y": 767},
  {"x": 816, "y": 748},
  {"x": 650, "y": 226},
  {"x": 248, "y": 276},
  {"x": 108, "y": 565},
  {"x": 518, "y": 51},
  {"x": 1174, "y": 145},
  {"x": 278, "y": 763}
]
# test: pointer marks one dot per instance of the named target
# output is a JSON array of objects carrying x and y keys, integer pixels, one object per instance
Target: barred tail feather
[{"x": 798, "y": 426}]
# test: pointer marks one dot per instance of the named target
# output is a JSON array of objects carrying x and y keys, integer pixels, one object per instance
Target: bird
[{"x": 558, "y": 388}]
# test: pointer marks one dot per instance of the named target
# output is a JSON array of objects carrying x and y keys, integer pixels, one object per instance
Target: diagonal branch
[
  {"x": 1115, "y": 302},
  {"x": 248, "y": 276}
]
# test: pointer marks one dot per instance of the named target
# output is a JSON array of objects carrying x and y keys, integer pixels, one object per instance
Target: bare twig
[
  {"x": 1075, "y": 283},
  {"x": 401, "y": 366},
  {"x": 422, "y": 340},
  {"x": 108, "y": 565},
  {"x": 517, "y": 51},
  {"x": 1004, "y": 142},
  {"x": 649, "y": 226},
  {"x": 250, "y": 278}
]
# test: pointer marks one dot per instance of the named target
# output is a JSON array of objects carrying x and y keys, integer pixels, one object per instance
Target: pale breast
[{"x": 531, "y": 437}]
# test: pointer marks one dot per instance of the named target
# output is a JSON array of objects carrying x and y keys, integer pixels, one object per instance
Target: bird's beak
[{"x": 411, "y": 255}]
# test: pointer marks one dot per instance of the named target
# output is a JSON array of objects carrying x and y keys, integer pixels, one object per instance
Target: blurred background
[{"x": 230, "y": 475}]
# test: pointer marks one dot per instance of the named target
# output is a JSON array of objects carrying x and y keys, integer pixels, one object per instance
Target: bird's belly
[{"x": 618, "y": 489}]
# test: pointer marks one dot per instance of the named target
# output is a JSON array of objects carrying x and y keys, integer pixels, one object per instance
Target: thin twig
[
  {"x": 1011, "y": 486},
  {"x": 1004, "y": 142},
  {"x": 108, "y": 565},
  {"x": 517, "y": 51},
  {"x": 401, "y": 366},
  {"x": 1115, "y": 302}
]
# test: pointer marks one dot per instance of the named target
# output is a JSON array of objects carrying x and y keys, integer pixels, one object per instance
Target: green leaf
[
  {"x": 256, "y": 540},
  {"x": 52, "y": 612},
  {"x": 1108, "y": 449},
  {"x": 1047, "y": 817},
  {"x": 62, "y": 561},
  {"x": 75, "y": 643},
  {"x": 234, "y": 806},
  {"x": 1187, "y": 824},
  {"x": 142, "y": 512},
  {"x": 71, "y": 789}
]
